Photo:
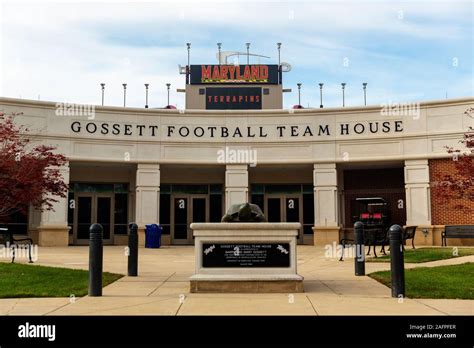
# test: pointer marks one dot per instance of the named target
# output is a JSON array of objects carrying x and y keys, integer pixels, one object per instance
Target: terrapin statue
[{"x": 244, "y": 212}]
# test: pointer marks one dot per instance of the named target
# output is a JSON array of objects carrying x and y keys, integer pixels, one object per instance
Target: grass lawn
[
  {"x": 20, "y": 280},
  {"x": 454, "y": 281},
  {"x": 427, "y": 254}
]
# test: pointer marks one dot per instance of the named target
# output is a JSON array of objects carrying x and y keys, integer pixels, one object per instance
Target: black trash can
[{"x": 153, "y": 236}]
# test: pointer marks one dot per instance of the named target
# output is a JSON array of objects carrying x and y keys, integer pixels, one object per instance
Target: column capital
[
  {"x": 416, "y": 162},
  {"x": 236, "y": 167},
  {"x": 324, "y": 166},
  {"x": 150, "y": 166},
  {"x": 325, "y": 174},
  {"x": 417, "y": 172},
  {"x": 148, "y": 175}
]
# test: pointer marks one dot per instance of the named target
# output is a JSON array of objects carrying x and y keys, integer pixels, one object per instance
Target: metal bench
[
  {"x": 12, "y": 242},
  {"x": 372, "y": 238},
  {"x": 456, "y": 231},
  {"x": 409, "y": 233},
  {"x": 379, "y": 237}
]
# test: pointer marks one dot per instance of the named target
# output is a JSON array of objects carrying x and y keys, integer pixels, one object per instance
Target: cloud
[{"x": 403, "y": 49}]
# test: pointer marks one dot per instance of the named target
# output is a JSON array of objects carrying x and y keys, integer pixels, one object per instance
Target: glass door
[
  {"x": 273, "y": 209},
  {"x": 186, "y": 210},
  {"x": 179, "y": 224},
  {"x": 104, "y": 216},
  {"x": 199, "y": 208},
  {"x": 93, "y": 208},
  {"x": 294, "y": 213},
  {"x": 83, "y": 218},
  {"x": 284, "y": 208}
]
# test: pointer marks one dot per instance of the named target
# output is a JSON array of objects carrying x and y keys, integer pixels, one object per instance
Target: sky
[{"x": 406, "y": 51}]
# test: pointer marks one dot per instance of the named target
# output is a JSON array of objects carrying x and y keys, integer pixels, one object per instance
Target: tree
[
  {"x": 458, "y": 188},
  {"x": 29, "y": 175}
]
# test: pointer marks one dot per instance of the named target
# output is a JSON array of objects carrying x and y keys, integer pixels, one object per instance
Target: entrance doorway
[
  {"x": 284, "y": 208},
  {"x": 186, "y": 209},
  {"x": 93, "y": 208}
]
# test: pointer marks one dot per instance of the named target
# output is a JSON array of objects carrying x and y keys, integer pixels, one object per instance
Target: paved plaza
[{"x": 162, "y": 288}]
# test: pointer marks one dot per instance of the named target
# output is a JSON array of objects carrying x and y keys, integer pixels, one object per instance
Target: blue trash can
[{"x": 153, "y": 236}]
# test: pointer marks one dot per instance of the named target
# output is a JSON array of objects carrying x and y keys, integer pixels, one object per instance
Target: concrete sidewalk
[{"x": 162, "y": 288}]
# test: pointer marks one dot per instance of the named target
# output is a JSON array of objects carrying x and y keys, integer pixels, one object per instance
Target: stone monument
[{"x": 244, "y": 253}]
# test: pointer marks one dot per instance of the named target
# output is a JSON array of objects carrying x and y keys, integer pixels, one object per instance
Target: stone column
[
  {"x": 52, "y": 229},
  {"x": 147, "y": 198},
  {"x": 236, "y": 184},
  {"x": 326, "y": 225},
  {"x": 418, "y": 204}
]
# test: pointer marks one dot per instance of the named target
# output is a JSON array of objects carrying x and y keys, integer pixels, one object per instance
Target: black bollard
[
  {"x": 95, "y": 260},
  {"x": 359, "y": 260},
  {"x": 397, "y": 268},
  {"x": 133, "y": 250}
]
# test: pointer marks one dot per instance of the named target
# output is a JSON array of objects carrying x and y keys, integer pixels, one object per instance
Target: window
[
  {"x": 308, "y": 213},
  {"x": 215, "y": 206},
  {"x": 165, "y": 212},
  {"x": 121, "y": 213},
  {"x": 258, "y": 200}
]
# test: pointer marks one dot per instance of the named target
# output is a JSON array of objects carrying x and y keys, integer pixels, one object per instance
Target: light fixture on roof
[
  {"x": 188, "y": 45},
  {"x": 103, "y": 88},
  {"x": 146, "y": 93},
  {"x": 279, "y": 49},
  {"x": 124, "y": 93},
  {"x": 248, "y": 52},
  {"x": 364, "y": 86},
  {"x": 343, "y": 94},
  {"x": 321, "y": 94},
  {"x": 219, "y": 45},
  {"x": 299, "y": 93}
]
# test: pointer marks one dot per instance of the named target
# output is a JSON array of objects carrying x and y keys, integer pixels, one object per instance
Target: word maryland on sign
[{"x": 250, "y": 74}]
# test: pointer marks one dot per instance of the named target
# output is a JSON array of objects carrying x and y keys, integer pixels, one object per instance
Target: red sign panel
[{"x": 249, "y": 74}]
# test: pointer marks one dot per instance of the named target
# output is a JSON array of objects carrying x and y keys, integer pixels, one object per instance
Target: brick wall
[{"x": 444, "y": 213}]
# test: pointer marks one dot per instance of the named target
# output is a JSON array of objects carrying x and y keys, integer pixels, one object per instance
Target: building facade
[{"x": 174, "y": 167}]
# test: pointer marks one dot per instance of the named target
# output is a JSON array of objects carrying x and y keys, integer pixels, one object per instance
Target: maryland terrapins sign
[{"x": 238, "y": 74}]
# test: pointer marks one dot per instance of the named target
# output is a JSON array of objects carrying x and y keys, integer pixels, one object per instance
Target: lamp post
[
  {"x": 343, "y": 94},
  {"x": 168, "y": 87},
  {"x": 219, "y": 45},
  {"x": 124, "y": 93},
  {"x": 103, "y": 88},
  {"x": 364, "y": 85},
  {"x": 248, "y": 51},
  {"x": 279, "y": 49},
  {"x": 299, "y": 94},
  {"x": 187, "y": 66},
  {"x": 279, "y": 63},
  {"x": 188, "y": 45},
  {"x": 321, "y": 94},
  {"x": 146, "y": 91}
]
